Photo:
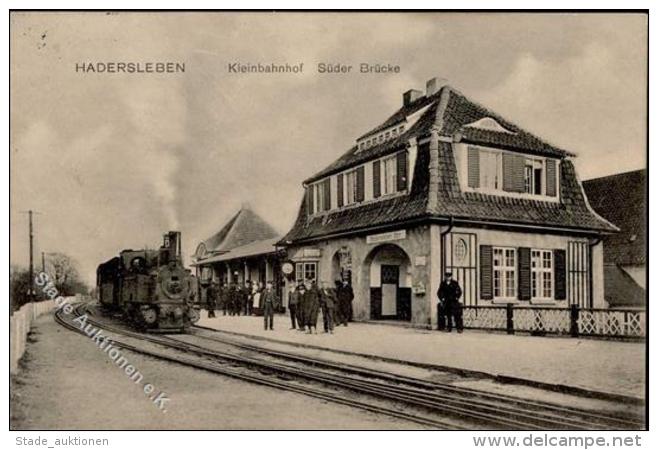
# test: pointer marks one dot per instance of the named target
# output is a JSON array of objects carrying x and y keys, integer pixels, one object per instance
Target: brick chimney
[
  {"x": 411, "y": 96},
  {"x": 433, "y": 85}
]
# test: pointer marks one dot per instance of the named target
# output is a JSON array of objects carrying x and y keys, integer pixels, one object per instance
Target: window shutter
[
  {"x": 560, "y": 269},
  {"x": 524, "y": 274},
  {"x": 402, "y": 171},
  {"x": 309, "y": 199},
  {"x": 339, "y": 189},
  {"x": 473, "y": 167},
  {"x": 551, "y": 180},
  {"x": 513, "y": 177},
  {"x": 360, "y": 184},
  {"x": 486, "y": 272},
  {"x": 376, "y": 179},
  {"x": 327, "y": 194}
]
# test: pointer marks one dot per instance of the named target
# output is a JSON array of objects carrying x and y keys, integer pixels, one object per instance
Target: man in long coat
[
  {"x": 301, "y": 307},
  {"x": 211, "y": 298},
  {"x": 270, "y": 303},
  {"x": 345, "y": 296},
  {"x": 311, "y": 307},
  {"x": 449, "y": 294},
  {"x": 328, "y": 305}
]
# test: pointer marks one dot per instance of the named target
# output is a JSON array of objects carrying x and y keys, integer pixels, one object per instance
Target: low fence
[
  {"x": 20, "y": 324},
  {"x": 573, "y": 321}
]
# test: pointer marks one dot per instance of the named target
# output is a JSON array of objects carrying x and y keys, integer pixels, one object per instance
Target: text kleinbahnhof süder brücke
[{"x": 323, "y": 68}]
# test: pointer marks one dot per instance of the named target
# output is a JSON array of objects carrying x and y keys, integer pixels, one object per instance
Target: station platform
[{"x": 562, "y": 363}]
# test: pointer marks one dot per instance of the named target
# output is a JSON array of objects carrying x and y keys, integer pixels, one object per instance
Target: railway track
[
  {"x": 274, "y": 382},
  {"x": 465, "y": 408},
  {"x": 446, "y": 392}
]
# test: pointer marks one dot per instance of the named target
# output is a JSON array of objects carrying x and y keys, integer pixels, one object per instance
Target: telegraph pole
[
  {"x": 31, "y": 290},
  {"x": 43, "y": 261},
  {"x": 31, "y": 294}
]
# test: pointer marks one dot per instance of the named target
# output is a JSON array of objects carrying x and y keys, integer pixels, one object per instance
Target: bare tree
[{"x": 64, "y": 273}]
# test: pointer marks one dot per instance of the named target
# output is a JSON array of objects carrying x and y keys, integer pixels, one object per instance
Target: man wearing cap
[
  {"x": 270, "y": 303},
  {"x": 449, "y": 294}
]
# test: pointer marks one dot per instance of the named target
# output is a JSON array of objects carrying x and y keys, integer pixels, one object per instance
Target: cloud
[{"x": 580, "y": 104}]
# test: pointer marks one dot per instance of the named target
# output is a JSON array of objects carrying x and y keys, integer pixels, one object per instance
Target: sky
[{"x": 112, "y": 161}]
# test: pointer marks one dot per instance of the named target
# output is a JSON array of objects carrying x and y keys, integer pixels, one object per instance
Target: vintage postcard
[{"x": 333, "y": 220}]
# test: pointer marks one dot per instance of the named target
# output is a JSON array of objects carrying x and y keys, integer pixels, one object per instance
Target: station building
[
  {"x": 445, "y": 184},
  {"x": 244, "y": 249}
]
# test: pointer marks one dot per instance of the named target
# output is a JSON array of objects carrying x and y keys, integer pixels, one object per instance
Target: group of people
[
  {"x": 235, "y": 299},
  {"x": 306, "y": 301}
]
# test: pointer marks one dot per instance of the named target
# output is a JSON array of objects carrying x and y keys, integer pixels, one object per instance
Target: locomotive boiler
[{"x": 150, "y": 288}]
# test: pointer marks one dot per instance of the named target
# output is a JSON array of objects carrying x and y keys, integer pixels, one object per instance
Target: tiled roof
[
  {"x": 621, "y": 200},
  {"x": 620, "y": 289},
  {"x": 255, "y": 248},
  {"x": 450, "y": 112},
  {"x": 382, "y": 212},
  {"x": 354, "y": 157},
  {"x": 403, "y": 113},
  {"x": 461, "y": 111},
  {"x": 458, "y": 113},
  {"x": 245, "y": 227}
]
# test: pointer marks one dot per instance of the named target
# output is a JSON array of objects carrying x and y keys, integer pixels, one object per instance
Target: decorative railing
[{"x": 574, "y": 321}]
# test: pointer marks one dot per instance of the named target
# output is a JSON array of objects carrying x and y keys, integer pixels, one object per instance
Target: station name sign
[{"x": 386, "y": 237}]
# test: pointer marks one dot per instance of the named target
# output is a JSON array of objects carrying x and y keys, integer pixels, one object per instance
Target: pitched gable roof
[
  {"x": 452, "y": 115},
  {"x": 621, "y": 199},
  {"x": 243, "y": 228},
  {"x": 456, "y": 119}
]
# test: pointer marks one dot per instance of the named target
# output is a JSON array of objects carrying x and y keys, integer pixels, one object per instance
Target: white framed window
[
  {"x": 541, "y": 283},
  {"x": 350, "y": 187},
  {"x": 534, "y": 176},
  {"x": 389, "y": 175},
  {"x": 307, "y": 270},
  {"x": 319, "y": 205},
  {"x": 504, "y": 273}
]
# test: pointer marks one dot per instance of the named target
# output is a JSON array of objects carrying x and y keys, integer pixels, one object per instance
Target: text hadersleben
[{"x": 130, "y": 67}]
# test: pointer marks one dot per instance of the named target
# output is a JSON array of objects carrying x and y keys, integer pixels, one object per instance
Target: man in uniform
[
  {"x": 328, "y": 305},
  {"x": 449, "y": 294},
  {"x": 211, "y": 298},
  {"x": 345, "y": 296},
  {"x": 270, "y": 303}
]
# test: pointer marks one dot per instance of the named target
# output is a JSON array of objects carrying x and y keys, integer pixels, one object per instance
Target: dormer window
[{"x": 501, "y": 172}]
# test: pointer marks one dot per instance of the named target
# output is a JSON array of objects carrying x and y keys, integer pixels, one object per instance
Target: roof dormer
[{"x": 490, "y": 124}]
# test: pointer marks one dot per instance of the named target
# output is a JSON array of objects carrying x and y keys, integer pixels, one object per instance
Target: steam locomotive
[{"x": 150, "y": 288}]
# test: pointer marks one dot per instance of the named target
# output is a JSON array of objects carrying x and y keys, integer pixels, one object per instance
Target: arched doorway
[
  {"x": 341, "y": 265},
  {"x": 387, "y": 269}
]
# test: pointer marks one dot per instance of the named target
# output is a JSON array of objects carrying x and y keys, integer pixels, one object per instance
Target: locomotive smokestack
[{"x": 172, "y": 242}]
